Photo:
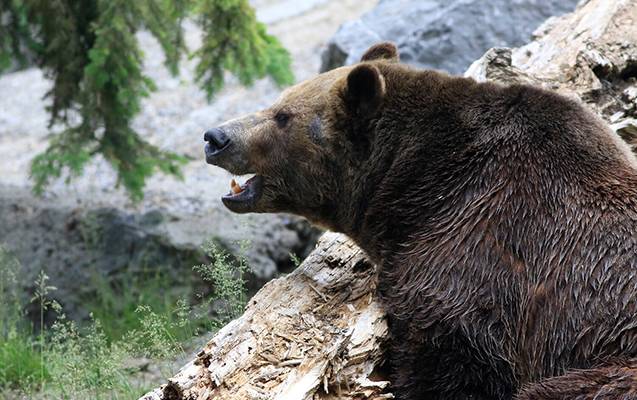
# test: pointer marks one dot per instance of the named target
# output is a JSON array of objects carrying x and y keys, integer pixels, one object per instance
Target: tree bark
[{"x": 318, "y": 333}]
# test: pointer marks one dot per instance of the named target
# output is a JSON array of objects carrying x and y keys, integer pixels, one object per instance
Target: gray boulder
[
  {"x": 441, "y": 34},
  {"x": 75, "y": 244}
]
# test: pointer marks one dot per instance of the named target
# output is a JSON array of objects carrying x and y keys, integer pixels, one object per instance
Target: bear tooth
[{"x": 236, "y": 189}]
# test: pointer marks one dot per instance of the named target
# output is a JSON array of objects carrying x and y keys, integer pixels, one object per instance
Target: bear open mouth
[{"x": 243, "y": 198}]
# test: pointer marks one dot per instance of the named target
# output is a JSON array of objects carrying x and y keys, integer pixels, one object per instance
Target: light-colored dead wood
[
  {"x": 318, "y": 332},
  {"x": 314, "y": 334}
]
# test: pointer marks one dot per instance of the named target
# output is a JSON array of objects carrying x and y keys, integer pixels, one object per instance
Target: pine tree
[{"x": 89, "y": 50}]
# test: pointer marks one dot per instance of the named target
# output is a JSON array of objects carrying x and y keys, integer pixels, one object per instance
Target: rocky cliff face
[{"x": 442, "y": 34}]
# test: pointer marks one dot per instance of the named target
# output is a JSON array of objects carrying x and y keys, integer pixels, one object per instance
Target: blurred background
[{"x": 106, "y": 202}]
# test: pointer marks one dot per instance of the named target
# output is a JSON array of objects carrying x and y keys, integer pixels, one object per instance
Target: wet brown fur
[{"x": 504, "y": 219}]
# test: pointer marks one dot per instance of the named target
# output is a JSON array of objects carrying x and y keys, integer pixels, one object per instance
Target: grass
[
  {"x": 20, "y": 361},
  {"x": 92, "y": 359},
  {"x": 122, "y": 307}
]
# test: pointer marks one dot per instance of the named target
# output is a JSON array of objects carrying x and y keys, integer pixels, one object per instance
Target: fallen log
[
  {"x": 317, "y": 330},
  {"x": 318, "y": 333}
]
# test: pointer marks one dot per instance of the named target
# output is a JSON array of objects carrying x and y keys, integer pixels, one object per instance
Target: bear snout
[
  {"x": 217, "y": 141},
  {"x": 218, "y": 148},
  {"x": 223, "y": 149}
]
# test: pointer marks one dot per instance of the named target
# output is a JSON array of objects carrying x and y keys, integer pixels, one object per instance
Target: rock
[
  {"x": 75, "y": 242},
  {"x": 441, "y": 34},
  {"x": 74, "y": 245}
]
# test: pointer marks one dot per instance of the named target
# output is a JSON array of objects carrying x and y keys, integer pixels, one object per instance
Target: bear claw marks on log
[
  {"x": 317, "y": 333},
  {"x": 314, "y": 334}
]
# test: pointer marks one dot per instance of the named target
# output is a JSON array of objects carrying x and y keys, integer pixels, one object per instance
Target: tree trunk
[{"x": 318, "y": 333}]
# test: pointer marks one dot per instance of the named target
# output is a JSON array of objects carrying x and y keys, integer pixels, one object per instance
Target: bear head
[{"x": 308, "y": 149}]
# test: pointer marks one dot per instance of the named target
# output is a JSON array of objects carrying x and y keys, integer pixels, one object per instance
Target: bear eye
[{"x": 282, "y": 119}]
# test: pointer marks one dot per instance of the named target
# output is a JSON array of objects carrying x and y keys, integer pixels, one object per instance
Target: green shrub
[
  {"x": 92, "y": 360},
  {"x": 227, "y": 280},
  {"x": 123, "y": 307},
  {"x": 83, "y": 365},
  {"x": 20, "y": 362}
]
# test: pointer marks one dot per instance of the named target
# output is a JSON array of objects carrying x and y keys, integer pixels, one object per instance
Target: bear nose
[{"x": 216, "y": 137}]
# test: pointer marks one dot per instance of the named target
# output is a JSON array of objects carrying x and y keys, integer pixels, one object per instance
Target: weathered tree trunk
[
  {"x": 318, "y": 333},
  {"x": 317, "y": 330}
]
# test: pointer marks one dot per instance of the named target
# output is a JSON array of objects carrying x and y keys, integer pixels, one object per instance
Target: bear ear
[
  {"x": 365, "y": 90},
  {"x": 381, "y": 51}
]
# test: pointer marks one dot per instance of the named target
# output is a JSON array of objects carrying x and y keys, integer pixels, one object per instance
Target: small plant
[
  {"x": 20, "y": 362},
  {"x": 296, "y": 260},
  {"x": 123, "y": 306},
  {"x": 226, "y": 278},
  {"x": 20, "y": 358},
  {"x": 42, "y": 291},
  {"x": 83, "y": 364},
  {"x": 155, "y": 338}
]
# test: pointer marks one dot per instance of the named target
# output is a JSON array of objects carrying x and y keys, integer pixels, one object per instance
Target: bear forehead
[{"x": 313, "y": 89}]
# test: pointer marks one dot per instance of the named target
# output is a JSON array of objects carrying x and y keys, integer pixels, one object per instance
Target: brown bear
[{"x": 503, "y": 218}]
